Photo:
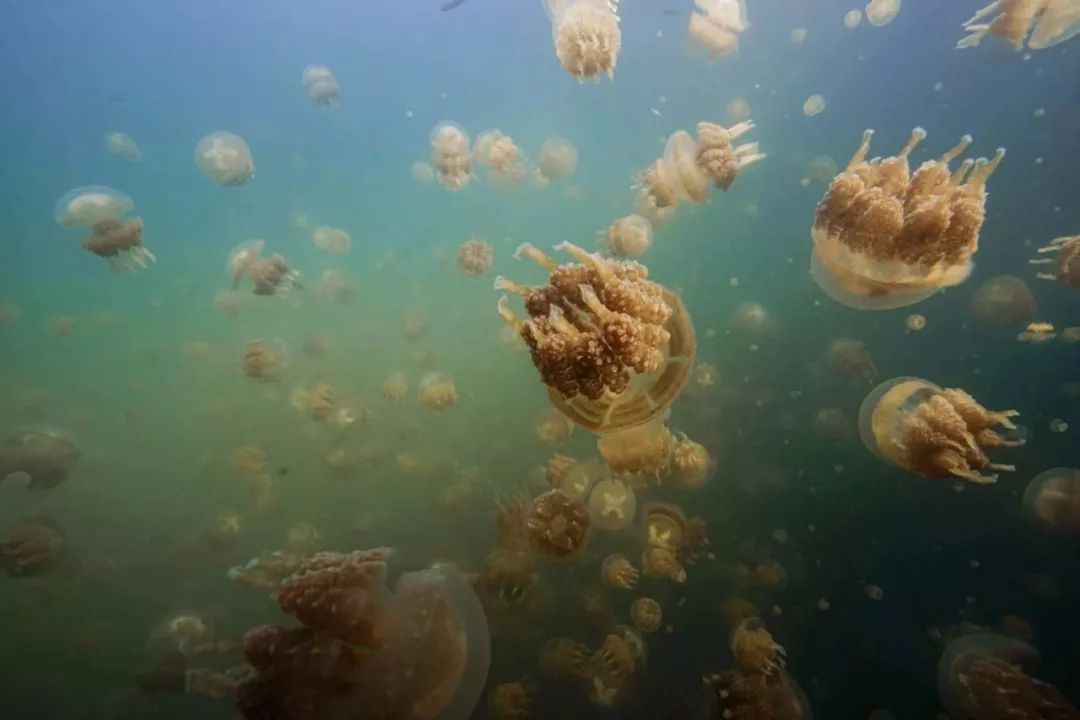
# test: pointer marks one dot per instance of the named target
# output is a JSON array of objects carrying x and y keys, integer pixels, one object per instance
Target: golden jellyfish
[
  {"x": 321, "y": 86},
  {"x": 122, "y": 145},
  {"x": 663, "y": 562},
  {"x": 36, "y": 459},
  {"x": 331, "y": 240},
  {"x": 557, "y": 159},
  {"x": 820, "y": 171},
  {"x": 422, "y": 172},
  {"x": 1052, "y": 499},
  {"x": 628, "y": 237},
  {"x": 612, "y": 505},
  {"x": 508, "y": 576},
  {"x": 986, "y": 676},
  {"x": 576, "y": 479},
  {"x": 31, "y": 547},
  {"x": 886, "y": 238},
  {"x": 646, "y": 614},
  {"x": 396, "y": 387},
  {"x": 751, "y": 319},
  {"x": 317, "y": 403},
  {"x": 451, "y": 156},
  {"x": 813, "y": 105},
  {"x": 1037, "y": 333},
  {"x": 715, "y": 25},
  {"x": 1067, "y": 263},
  {"x": 222, "y": 532},
  {"x": 754, "y": 648},
  {"x": 851, "y": 359},
  {"x": 474, "y": 257},
  {"x": 414, "y": 327},
  {"x": 618, "y": 572},
  {"x": 1004, "y": 300},
  {"x": 85, "y": 206},
  {"x": 915, "y": 322},
  {"x": 437, "y": 391},
  {"x": 503, "y": 158},
  {"x": 562, "y": 658},
  {"x": 882, "y": 12},
  {"x": 626, "y": 355},
  {"x": 552, "y": 427},
  {"x": 738, "y": 110},
  {"x": 225, "y": 158},
  {"x": 112, "y": 238},
  {"x": 769, "y": 575},
  {"x": 227, "y": 302},
  {"x": 303, "y": 538},
  {"x": 509, "y": 701},
  {"x": 740, "y": 694},
  {"x": 249, "y": 460},
  {"x": 586, "y": 35},
  {"x": 557, "y": 525},
  {"x": 264, "y": 360},
  {"x": 852, "y": 19},
  {"x": 557, "y": 469},
  {"x": 613, "y": 664},
  {"x": 691, "y": 465},
  {"x": 1036, "y": 24},
  {"x": 268, "y": 276},
  {"x": 639, "y": 450},
  {"x": 938, "y": 433}
]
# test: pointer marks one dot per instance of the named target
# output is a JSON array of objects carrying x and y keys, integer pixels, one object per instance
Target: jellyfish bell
[
  {"x": 179, "y": 635},
  {"x": 579, "y": 478},
  {"x": 46, "y": 456},
  {"x": 813, "y": 105},
  {"x": 751, "y": 319},
  {"x": 646, "y": 614},
  {"x": 451, "y": 156},
  {"x": 331, "y": 240},
  {"x": 557, "y": 159},
  {"x": 586, "y": 36},
  {"x": 122, "y": 145},
  {"x": 1036, "y": 24},
  {"x": 474, "y": 257},
  {"x": 225, "y": 158},
  {"x": 1052, "y": 500},
  {"x": 612, "y": 505},
  {"x": 557, "y": 525},
  {"x": 715, "y": 25},
  {"x": 89, "y": 205},
  {"x": 639, "y": 450},
  {"x": 882, "y": 12},
  {"x": 321, "y": 86},
  {"x": 437, "y": 391},
  {"x": 754, "y": 648},
  {"x": 32, "y": 546},
  {"x": 1004, "y": 300},
  {"x": 628, "y": 237}
]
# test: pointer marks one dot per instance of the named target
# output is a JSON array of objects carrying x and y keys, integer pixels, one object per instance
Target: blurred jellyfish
[
  {"x": 331, "y": 240},
  {"x": 612, "y": 505},
  {"x": 10, "y": 313},
  {"x": 317, "y": 403},
  {"x": 738, "y": 110},
  {"x": 504, "y": 159},
  {"x": 88, "y": 205},
  {"x": 396, "y": 387},
  {"x": 751, "y": 319},
  {"x": 821, "y": 170},
  {"x": 565, "y": 658},
  {"x": 1039, "y": 24},
  {"x": 225, "y": 158},
  {"x": 303, "y": 538},
  {"x": 557, "y": 160},
  {"x": 613, "y": 665},
  {"x": 586, "y": 35},
  {"x": 882, "y": 12},
  {"x": 557, "y": 469},
  {"x": 798, "y": 35},
  {"x": 691, "y": 465},
  {"x": 249, "y": 460},
  {"x": 552, "y": 427},
  {"x": 916, "y": 425},
  {"x": 754, "y": 648},
  {"x": 769, "y": 575},
  {"x": 629, "y": 237},
  {"x": 41, "y": 459},
  {"x": 813, "y": 105},
  {"x": 509, "y": 701},
  {"x": 557, "y": 525},
  {"x": 741, "y": 694},
  {"x": 851, "y": 359},
  {"x": 336, "y": 286},
  {"x": 31, "y": 547},
  {"x": 832, "y": 424},
  {"x": 852, "y": 19},
  {"x": 1067, "y": 263},
  {"x": 451, "y": 156},
  {"x": 1004, "y": 300},
  {"x": 1052, "y": 499},
  {"x": 618, "y": 572},
  {"x": 577, "y": 480},
  {"x": 269, "y": 276},
  {"x": 508, "y": 576},
  {"x": 715, "y": 25},
  {"x": 646, "y": 614},
  {"x": 264, "y": 360},
  {"x": 885, "y": 238},
  {"x": 227, "y": 302},
  {"x": 321, "y": 86},
  {"x": 474, "y": 257},
  {"x": 437, "y": 391},
  {"x": 639, "y": 450},
  {"x": 422, "y": 172},
  {"x": 122, "y": 145},
  {"x": 221, "y": 533}
]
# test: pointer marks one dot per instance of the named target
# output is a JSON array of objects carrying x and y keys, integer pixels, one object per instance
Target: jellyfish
[
  {"x": 646, "y": 614},
  {"x": 1052, "y": 499},
  {"x": 182, "y": 635},
  {"x": 663, "y": 562},
  {"x": 271, "y": 276},
  {"x": 396, "y": 387},
  {"x": 317, "y": 403},
  {"x": 885, "y": 238},
  {"x": 882, "y": 12},
  {"x": 451, "y": 156},
  {"x": 754, "y": 648},
  {"x": 509, "y": 701},
  {"x": 414, "y": 327},
  {"x": 31, "y": 547},
  {"x": 918, "y": 426},
  {"x": 558, "y": 468},
  {"x": 851, "y": 358},
  {"x": 122, "y": 145},
  {"x": 586, "y": 35},
  {"x": 986, "y": 676},
  {"x": 120, "y": 243},
  {"x": 225, "y": 158},
  {"x": 639, "y": 450},
  {"x": 852, "y": 19},
  {"x": 715, "y": 25},
  {"x": 769, "y": 575},
  {"x": 740, "y": 694},
  {"x": 557, "y": 159},
  {"x": 557, "y": 525},
  {"x": 474, "y": 257},
  {"x": 613, "y": 664},
  {"x": 704, "y": 378},
  {"x": 813, "y": 105},
  {"x": 628, "y": 353},
  {"x": 321, "y": 86},
  {"x": 511, "y": 521},
  {"x": 564, "y": 658},
  {"x": 1067, "y": 263},
  {"x": 504, "y": 159},
  {"x": 1036, "y": 24},
  {"x": 552, "y": 427},
  {"x": 612, "y": 505},
  {"x": 331, "y": 240},
  {"x": 691, "y": 465},
  {"x": 738, "y": 110},
  {"x": 249, "y": 460},
  {"x": 832, "y": 424},
  {"x": 422, "y": 172},
  {"x": 508, "y": 575},
  {"x": 42, "y": 459},
  {"x": 628, "y": 237},
  {"x": 303, "y": 538},
  {"x": 618, "y": 572},
  {"x": 578, "y": 479},
  {"x": 88, "y": 205},
  {"x": 1004, "y": 300},
  {"x": 664, "y": 525},
  {"x": 798, "y": 35},
  {"x": 915, "y": 322},
  {"x": 222, "y": 532},
  {"x": 1037, "y": 333},
  {"x": 437, "y": 391},
  {"x": 264, "y": 360},
  {"x": 821, "y": 170}
]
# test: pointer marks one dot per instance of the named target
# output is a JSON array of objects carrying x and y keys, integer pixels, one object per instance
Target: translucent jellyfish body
[
  {"x": 331, "y": 240},
  {"x": 613, "y": 665},
  {"x": 553, "y": 428},
  {"x": 41, "y": 459},
  {"x": 122, "y": 145},
  {"x": 587, "y": 36},
  {"x": 268, "y": 276},
  {"x": 321, "y": 86},
  {"x": 1052, "y": 499},
  {"x": 618, "y": 572},
  {"x": 985, "y": 676},
  {"x": 503, "y": 158},
  {"x": 691, "y": 465},
  {"x": 396, "y": 387},
  {"x": 851, "y": 358},
  {"x": 508, "y": 575},
  {"x": 557, "y": 159},
  {"x": 754, "y": 649},
  {"x": 646, "y": 614},
  {"x": 451, "y": 156},
  {"x": 629, "y": 237},
  {"x": 1004, "y": 300},
  {"x": 814, "y": 105},
  {"x": 264, "y": 359},
  {"x": 225, "y": 158},
  {"x": 1066, "y": 265},
  {"x": 474, "y": 257},
  {"x": 31, "y": 547},
  {"x": 639, "y": 450},
  {"x": 886, "y": 238},
  {"x": 437, "y": 391},
  {"x": 916, "y": 425},
  {"x": 1036, "y": 24},
  {"x": 612, "y": 505},
  {"x": 578, "y": 480},
  {"x": 715, "y": 25},
  {"x": 88, "y": 205},
  {"x": 557, "y": 525},
  {"x": 627, "y": 354},
  {"x": 882, "y": 12}
]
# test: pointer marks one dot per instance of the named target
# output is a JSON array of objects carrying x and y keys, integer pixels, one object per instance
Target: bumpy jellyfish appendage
[
  {"x": 740, "y": 694},
  {"x": 916, "y": 425},
  {"x": 1038, "y": 24},
  {"x": 1066, "y": 264},
  {"x": 120, "y": 243},
  {"x": 586, "y": 35},
  {"x": 985, "y": 676},
  {"x": 886, "y": 238},
  {"x": 614, "y": 348}
]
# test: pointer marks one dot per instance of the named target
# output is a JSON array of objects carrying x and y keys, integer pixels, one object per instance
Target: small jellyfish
[
  {"x": 628, "y": 237},
  {"x": 1038, "y": 24},
  {"x": 474, "y": 257},
  {"x": 331, "y": 240},
  {"x": 769, "y": 575},
  {"x": 1067, "y": 263},
  {"x": 751, "y": 319},
  {"x": 586, "y": 36},
  {"x": 813, "y": 105},
  {"x": 915, "y": 322},
  {"x": 612, "y": 505},
  {"x": 1052, "y": 499},
  {"x": 1004, "y": 300},
  {"x": 557, "y": 525},
  {"x": 422, "y": 172},
  {"x": 557, "y": 159},
  {"x": 10, "y": 313},
  {"x": 31, "y": 547},
  {"x": 508, "y": 576},
  {"x": 336, "y": 286},
  {"x": 321, "y": 86},
  {"x": 646, "y": 614},
  {"x": 88, "y": 205},
  {"x": 821, "y": 170},
  {"x": 565, "y": 658},
  {"x": 851, "y": 359},
  {"x": 852, "y": 19},
  {"x": 618, "y": 572},
  {"x": 552, "y": 427},
  {"x": 886, "y": 238},
  {"x": 396, "y": 387},
  {"x": 663, "y": 562},
  {"x": 1037, "y": 333},
  {"x": 225, "y": 158},
  {"x": 221, "y": 533},
  {"x": 502, "y": 156},
  {"x": 832, "y": 425},
  {"x": 509, "y": 701},
  {"x": 557, "y": 469},
  {"x": 269, "y": 276},
  {"x": 303, "y": 538},
  {"x": 579, "y": 478},
  {"x": 639, "y": 450},
  {"x": 317, "y": 403},
  {"x": 705, "y": 378},
  {"x": 916, "y": 425},
  {"x": 451, "y": 156},
  {"x": 882, "y": 12},
  {"x": 715, "y": 25},
  {"x": 754, "y": 648},
  {"x": 613, "y": 664},
  {"x": 738, "y": 110},
  {"x": 264, "y": 360},
  {"x": 874, "y": 592},
  {"x": 249, "y": 460},
  {"x": 122, "y": 145},
  {"x": 691, "y": 465},
  {"x": 227, "y": 302},
  {"x": 437, "y": 391}
]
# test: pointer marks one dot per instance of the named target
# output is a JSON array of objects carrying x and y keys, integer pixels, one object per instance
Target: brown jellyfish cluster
[
  {"x": 268, "y": 276},
  {"x": 715, "y": 25},
  {"x": 31, "y": 547},
  {"x": 36, "y": 459},
  {"x": 503, "y": 158},
  {"x": 1066, "y": 266},
  {"x": 935, "y": 432},
  {"x": 1004, "y": 300},
  {"x": 628, "y": 237},
  {"x": 614, "y": 348},
  {"x": 474, "y": 257},
  {"x": 586, "y": 35},
  {"x": 557, "y": 525},
  {"x": 1035, "y": 24},
  {"x": 264, "y": 359},
  {"x": 689, "y": 169},
  {"x": 119, "y": 242},
  {"x": 451, "y": 156},
  {"x": 886, "y": 238}
]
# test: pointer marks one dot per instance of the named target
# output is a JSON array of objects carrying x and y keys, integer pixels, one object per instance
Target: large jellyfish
[
  {"x": 122, "y": 145},
  {"x": 586, "y": 35},
  {"x": 626, "y": 355},
  {"x": 1052, "y": 499},
  {"x": 985, "y": 676},
  {"x": 935, "y": 432},
  {"x": 1066, "y": 264},
  {"x": 451, "y": 156},
  {"x": 102, "y": 209},
  {"x": 1038, "y": 24},
  {"x": 269, "y": 276},
  {"x": 43, "y": 459},
  {"x": 225, "y": 158},
  {"x": 715, "y": 25},
  {"x": 321, "y": 86},
  {"x": 31, "y": 547},
  {"x": 1004, "y": 300},
  {"x": 886, "y": 238}
]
